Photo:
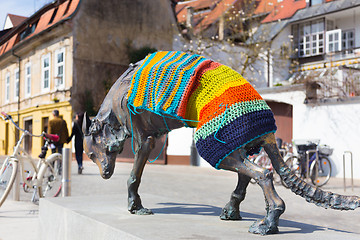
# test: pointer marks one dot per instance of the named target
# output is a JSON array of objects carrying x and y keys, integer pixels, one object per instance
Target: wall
[
  {"x": 280, "y": 65},
  {"x": 179, "y": 145},
  {"x": 104, "y": 30}
]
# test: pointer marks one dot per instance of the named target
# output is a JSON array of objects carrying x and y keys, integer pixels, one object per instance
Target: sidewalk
[{"x": 187, "y": 193}]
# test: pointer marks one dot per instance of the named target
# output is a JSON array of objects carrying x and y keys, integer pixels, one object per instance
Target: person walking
[
  {"x": 77, "y": 132},
  {"x": 58, "y": 126}
]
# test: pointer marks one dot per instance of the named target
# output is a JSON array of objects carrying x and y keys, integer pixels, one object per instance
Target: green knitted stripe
[{"x": 232, "y": 112}]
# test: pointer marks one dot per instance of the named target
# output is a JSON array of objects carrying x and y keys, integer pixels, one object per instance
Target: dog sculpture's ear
[
  {"x": 86, "y": 124},
  {"x": 113, "y": 120}
]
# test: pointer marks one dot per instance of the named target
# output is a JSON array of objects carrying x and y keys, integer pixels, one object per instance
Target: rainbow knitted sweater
[{"x": 225, "y": 109}]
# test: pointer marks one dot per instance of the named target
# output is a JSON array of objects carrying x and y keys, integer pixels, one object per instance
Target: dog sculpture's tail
[{"x": 311, "y": 193}]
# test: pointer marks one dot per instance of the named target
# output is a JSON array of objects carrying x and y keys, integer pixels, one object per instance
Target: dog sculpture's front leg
[{"x": 142, "y": 154}]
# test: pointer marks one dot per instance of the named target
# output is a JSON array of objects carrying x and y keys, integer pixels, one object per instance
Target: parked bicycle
[
  {"x": 45, "y": 177},
  {"x": 312, "y": 161}
]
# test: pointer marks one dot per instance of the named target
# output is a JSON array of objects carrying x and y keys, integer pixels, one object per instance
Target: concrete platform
[{"x": 187, "y": 202}]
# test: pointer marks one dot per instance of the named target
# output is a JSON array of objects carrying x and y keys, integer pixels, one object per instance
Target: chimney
[
  {"x": 189, "y": 17},
  {"x": 221, "y": 28}
]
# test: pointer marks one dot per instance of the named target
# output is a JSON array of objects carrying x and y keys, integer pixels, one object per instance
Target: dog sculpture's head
[{"x": 103, "y": 140}]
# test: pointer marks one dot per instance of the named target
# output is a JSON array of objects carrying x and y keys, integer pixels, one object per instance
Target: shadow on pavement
[{"x": 288, "y": 226}]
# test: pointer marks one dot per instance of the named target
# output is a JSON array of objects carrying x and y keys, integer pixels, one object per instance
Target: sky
[{"x": 19, "y": 7}]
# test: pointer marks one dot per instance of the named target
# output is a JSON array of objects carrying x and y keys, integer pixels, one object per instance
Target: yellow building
[
  {"x": 36, "y": 74},
  {"x": 67, "y": 55}
]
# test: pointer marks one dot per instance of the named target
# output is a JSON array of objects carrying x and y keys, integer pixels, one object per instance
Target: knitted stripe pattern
[{"x": 225, "y": 109}]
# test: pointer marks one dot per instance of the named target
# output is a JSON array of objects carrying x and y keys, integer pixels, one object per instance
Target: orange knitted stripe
[
  {"x": 139, "y": 99},
  {"x": 217, "y": 106}
]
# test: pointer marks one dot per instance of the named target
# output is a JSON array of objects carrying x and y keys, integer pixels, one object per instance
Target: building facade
[{"x": 322, "y": 86}]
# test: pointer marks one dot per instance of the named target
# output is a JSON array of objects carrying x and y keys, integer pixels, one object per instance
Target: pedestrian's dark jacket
[{"x": 77, "y": 132}]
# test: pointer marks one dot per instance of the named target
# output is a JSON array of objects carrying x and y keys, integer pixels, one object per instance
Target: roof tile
[
  {"x": 11, "y": 43},
  {"x": 44, "y": 21},
  {"x": 215, "y": 9},
  {"x": 66, "y": 9},
  {"x": 73, "y": 6}
]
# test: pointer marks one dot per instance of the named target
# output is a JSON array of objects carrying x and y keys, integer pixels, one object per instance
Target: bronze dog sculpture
[{"x": 176, "y": 90}]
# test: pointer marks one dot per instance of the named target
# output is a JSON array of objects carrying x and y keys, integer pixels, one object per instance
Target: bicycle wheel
[
  {"x": 264, "y": 161},
  {"x": 293, "y": 163},
  {"x": 261, "y": 161},
  {"x": 320, "y": 171},
  {"x": 49, "y": 179},
  {"x": 7, "y": 177}
]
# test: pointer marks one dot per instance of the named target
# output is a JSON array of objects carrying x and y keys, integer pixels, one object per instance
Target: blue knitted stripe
[
  {"x": 184, "y": 82},
  {"x": 161, "y": 83},
  {"x": 242, "y": 130},
  {"x": 180, "y": 65},
  {"x": 136, "y": 78},
  {"x": 155, "y": 73}
]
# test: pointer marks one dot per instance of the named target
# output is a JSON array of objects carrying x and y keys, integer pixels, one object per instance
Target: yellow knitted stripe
[
  {"x": 139, "y": 99},
  {"x": 208, "y": 89},
  {"x": 173, "y": 92}
]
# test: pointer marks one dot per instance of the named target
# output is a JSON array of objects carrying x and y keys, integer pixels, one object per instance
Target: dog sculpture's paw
[
  {"x": 230, "y": 213},
  {"x": 263, "y": 227},
  {"x": 135, "y": 207},
  {"x": 143, "y": 211}
]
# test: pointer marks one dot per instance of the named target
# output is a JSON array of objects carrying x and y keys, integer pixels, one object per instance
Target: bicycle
[
  {"x": 312, "y": 162},
  {"x": 46, "y": 177}
]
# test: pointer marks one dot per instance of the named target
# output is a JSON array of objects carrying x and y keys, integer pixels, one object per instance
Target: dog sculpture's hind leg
[{"x": 275, "y": 206}]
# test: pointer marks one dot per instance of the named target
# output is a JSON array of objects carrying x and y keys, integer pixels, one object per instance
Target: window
[
  {"x": 45, "y": 73},
  {"x": 315, "y": 2},
  {"x": 53, "y": 16},
  {"x": 348, "y": 41},
  {"x": 29, "y": 30},
  {"x": 67, "y": 8},
  {"x": 28, "y": 79},
  {"x": 59, "y": 69},
  {"x": 16, "y": 88},
  {"x": 333, "y": 40},
  {"x": 310, "y": 38},
  {"x": 7, "y": 87}
]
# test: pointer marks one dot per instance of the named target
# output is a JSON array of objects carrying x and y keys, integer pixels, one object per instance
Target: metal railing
[
  {"x": 66, "y": 172},
  {"x": 352, "y": 169},
  {"x": 308, "y": 152}
]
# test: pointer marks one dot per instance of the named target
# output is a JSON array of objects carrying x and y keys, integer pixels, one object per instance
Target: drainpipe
[
  {"x": 16, "y": 191},
  {"x": 18, "y": 110},
  {"x": 268, "y": 68}
]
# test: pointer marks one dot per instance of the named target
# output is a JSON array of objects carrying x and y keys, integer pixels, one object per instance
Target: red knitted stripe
[{"x": 194, "y": 83}]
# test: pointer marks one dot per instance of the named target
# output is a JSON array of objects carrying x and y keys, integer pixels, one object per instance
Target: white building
[{"x": 326, "y": 40}]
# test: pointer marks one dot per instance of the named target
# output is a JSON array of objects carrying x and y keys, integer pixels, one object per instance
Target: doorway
[
  {"x": 44, "y": 127},
  {"x": 28, "y": 139},
  {"x": 283, "y": 114}
]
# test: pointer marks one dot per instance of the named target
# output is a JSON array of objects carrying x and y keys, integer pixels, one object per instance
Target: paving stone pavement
[{"x": 193, "y": 185}]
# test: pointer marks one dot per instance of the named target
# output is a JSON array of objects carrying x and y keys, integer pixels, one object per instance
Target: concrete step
[{"x": 106, "y": 217}]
